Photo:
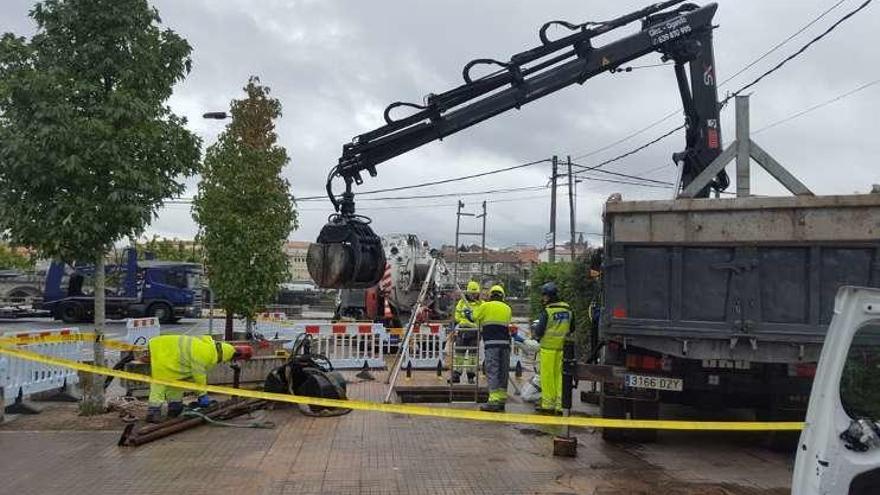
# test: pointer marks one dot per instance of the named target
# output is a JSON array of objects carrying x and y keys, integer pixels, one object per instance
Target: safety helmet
[
  {"x": 243, "y": 352},
  {"x": 497, "y": 289},
  {"x": 473, "y": 286},
  {"x": 549, "y": 289}
]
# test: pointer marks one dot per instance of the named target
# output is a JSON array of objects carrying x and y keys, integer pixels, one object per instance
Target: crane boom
[{"x": 348, "y": 253}]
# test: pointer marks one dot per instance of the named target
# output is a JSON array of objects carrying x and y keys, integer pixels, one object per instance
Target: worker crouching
[
  {"x": 493, "y": 317},
  {"x": 184, "y": 357}
]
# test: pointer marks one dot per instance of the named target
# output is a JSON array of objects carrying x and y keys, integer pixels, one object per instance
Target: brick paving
[{"x": 374, "y": 453}]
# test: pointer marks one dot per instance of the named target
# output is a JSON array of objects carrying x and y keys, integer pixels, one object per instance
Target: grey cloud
[{"x": 335, "y": 65}]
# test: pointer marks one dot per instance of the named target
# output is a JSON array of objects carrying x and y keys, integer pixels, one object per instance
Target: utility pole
[
  {"x": 570, "y": 207},
  {"x": 553, "y": 210}
]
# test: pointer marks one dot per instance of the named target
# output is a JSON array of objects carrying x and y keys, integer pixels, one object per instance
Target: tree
[
  {"x": 11, "y": 258},
  {"x": 88, "y": 147},
  {"x": 171, "y": 250},
  {"x": 575, "y": 287},
  {"x": 244, "y": 208}
]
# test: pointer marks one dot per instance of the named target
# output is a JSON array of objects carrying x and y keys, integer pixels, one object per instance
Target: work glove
[
  {"x": 204, "y": 401},
  {"x": 469, "y": 314}
]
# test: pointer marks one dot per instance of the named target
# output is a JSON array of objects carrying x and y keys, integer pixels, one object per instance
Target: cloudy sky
[{"x": 335, "y": 65}]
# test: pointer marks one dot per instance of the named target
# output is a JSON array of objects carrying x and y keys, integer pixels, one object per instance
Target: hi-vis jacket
[
  {"x": 184, "y": 357},
  {"x": 494, "y": 317}
]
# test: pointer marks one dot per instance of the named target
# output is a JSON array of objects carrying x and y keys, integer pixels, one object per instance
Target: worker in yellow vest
[
  {"x": 554, "y": 324},
  {"x": 184, "y": 357},
  {"x": 466, "y": 336},
  {"x": 493, "y": 317}
]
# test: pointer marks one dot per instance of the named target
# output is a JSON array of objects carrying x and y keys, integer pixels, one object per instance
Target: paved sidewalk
[{"x": 374, "y": 453}]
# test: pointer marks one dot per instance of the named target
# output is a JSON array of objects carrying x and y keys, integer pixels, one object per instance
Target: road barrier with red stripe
[
  {"x": 426, "y": 347},
  {"x": 23, "y": 378},
  {"x": 346, "y": 345},
  {"x": 139, "y": 331}
]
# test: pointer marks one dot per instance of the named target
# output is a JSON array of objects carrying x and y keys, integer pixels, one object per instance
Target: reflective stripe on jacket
[
  {"x": 558, "y": 326},
  {"x": 494, "y": 317}
]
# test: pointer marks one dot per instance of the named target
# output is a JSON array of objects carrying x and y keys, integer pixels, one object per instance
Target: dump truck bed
[{"x": 697, "y": 277}]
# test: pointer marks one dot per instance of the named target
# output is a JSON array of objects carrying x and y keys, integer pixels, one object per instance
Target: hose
[{"x": 192, "y": 413}]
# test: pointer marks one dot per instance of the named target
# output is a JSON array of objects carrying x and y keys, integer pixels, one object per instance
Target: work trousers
[
  {"x": 497, "y": 371},
  {"x": 161, "y": 393},
  {"x": 551, "y": 379}
]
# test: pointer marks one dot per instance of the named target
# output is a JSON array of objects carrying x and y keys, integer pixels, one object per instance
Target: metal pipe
[{"x": 163, "y": 430}]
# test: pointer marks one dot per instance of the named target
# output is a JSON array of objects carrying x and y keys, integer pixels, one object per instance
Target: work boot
[
  {"x": 174, "y": 409},
  {"x": 154, "y": 415},
  {"x": 492, "y": 407},
  {"x": 456, "y": 377}
]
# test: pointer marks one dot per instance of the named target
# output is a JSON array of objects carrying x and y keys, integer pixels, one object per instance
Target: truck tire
[
  {"x": 642, "y": 409},
  {"x": 71, "y": 312},
  {"x": 781, "y": 441},
  {"x": 613, "y": 408},
  {"x": 161, "y": 311},
  {"x": 617, "y": 408}
]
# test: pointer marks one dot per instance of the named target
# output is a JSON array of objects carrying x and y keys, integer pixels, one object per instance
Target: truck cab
[{"x": 168, "y": 290}]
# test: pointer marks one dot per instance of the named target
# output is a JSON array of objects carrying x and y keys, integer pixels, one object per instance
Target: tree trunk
[
  {"x": 93, "y": 396},
  {"x": 227, "y": 333}
]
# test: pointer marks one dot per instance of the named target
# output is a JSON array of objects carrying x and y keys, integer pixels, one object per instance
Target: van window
[{"x": 860, "y": 382}]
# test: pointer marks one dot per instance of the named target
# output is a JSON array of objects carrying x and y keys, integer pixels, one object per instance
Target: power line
[
  {"x": 746, "y": 67},
  {"x": 817, "y": 106},
  {"x": 438, "y": 182},
  {"x": 456, "y": 194},
  {"x": 633, "y": 151},
  {"x": 629, "y": 136},
  {"x": 629, "y": 183},
  {"x": 619, "y": 174},
  {"x": 798, "y": 52},
  {"x": 782, "y": 43}
]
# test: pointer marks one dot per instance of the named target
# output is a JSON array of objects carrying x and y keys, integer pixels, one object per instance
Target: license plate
[{"x": 654, "y": 382}]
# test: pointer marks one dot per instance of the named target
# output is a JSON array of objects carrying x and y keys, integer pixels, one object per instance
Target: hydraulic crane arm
[{"x": 682, "y": 35}]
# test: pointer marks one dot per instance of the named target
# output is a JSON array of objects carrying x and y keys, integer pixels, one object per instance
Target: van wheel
[
  {"x": 162, "y": 312},
  {"x": 71, "y": 312}
]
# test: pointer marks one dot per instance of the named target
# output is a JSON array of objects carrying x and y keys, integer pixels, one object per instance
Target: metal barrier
[
  {"x": 349, "y": 346},
  {"x": 346, "y": 345},
  {"x": 272, "y": 316},
  {"x": 426, "y": 347},
  {"x": 139, "y": 331},
  {"x": 23, "y": 378},
  {"x": 282, "y": 329}
]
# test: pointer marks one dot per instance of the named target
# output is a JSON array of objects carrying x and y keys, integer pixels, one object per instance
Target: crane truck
[{"x": 707, "y": 301}]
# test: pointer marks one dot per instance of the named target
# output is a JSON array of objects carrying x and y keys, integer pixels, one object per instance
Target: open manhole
[{"x": 439, "y": 393}]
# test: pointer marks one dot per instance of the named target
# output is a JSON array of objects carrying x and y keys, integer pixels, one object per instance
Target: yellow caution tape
[
  {"x": 412, "y": 410},
  {"x": 71, "y": 337}
]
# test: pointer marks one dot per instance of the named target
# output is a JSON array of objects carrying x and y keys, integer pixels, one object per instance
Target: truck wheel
[
  {"x": 781, "y": 441},
  {"x": 71, "y": 312},
  {"x": 644, "y": 410},
  {"x": 162, "y": 312},
  {"x": 614, "y": 408}
]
